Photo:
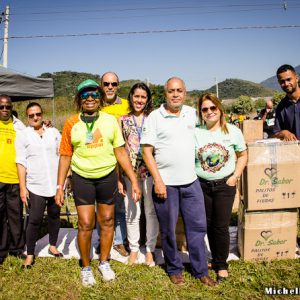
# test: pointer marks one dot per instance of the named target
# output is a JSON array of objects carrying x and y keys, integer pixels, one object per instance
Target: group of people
[{"x": 119, "y": 152}]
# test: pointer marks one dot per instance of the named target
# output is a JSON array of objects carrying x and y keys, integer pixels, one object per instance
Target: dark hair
[
  {"x": 32, "y": 104},
  {"x": 217, "y": 102},
  {"x": 149, "y": 104},
  {"x": 285, "y": 68},
  {"x": 77, "y": 99}
]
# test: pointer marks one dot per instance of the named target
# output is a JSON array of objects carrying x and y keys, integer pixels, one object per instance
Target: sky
[{"x": 177, "y": 38}]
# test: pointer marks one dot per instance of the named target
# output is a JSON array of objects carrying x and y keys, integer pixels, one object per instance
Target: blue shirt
[{"x": 288, "y": 117}]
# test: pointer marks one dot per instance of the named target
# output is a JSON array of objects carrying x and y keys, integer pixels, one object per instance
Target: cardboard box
[
  {"x": 237, "y": 200},
  {"x": 252, "y": 130},
  {"x": 267, "y": 235},
  {"x": 272, "y": 178}
]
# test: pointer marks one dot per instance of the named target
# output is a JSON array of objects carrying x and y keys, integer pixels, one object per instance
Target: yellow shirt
[
  {"x": 8, "y": 167},
  {"x": 118, "y": 109}
]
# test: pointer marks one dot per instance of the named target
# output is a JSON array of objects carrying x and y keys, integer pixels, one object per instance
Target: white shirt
[
  {"x": 40, "y": 158},
  {"x": 173, "y": 140}
]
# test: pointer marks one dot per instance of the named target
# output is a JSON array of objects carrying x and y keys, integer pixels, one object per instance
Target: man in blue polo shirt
[
  {"x": 287, "y": 119},
  {"x": 168, "y": 151}
]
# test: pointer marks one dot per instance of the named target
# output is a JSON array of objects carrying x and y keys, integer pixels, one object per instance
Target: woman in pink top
[{"x": 140, "y": 102}]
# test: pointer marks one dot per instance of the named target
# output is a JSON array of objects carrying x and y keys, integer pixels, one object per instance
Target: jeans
[
  {"x": 218, "y": 205},
  {"x": 133, "y": 214},
  {"x": 120, "y": 221},
  {"x": 188, "y": 199}
]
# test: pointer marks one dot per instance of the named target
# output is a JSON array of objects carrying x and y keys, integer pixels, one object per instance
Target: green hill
[{"x": 233, "y": 88}]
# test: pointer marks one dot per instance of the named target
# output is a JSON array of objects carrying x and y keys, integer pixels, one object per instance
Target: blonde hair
[{"x": 217, "y": 102}]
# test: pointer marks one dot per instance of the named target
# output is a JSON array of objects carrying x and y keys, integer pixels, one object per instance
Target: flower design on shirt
[{"x": 213, "y": 157}]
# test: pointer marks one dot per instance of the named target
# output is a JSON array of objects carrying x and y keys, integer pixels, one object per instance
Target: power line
[
  {"x": 150, "y": 8},
  {"x": 154, "y": 31}
]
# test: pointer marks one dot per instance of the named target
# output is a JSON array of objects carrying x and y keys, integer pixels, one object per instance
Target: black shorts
[{"x": 102, "y": 190}]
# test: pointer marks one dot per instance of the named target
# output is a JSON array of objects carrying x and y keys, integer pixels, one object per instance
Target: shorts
[{"x": 102, "y": 190}]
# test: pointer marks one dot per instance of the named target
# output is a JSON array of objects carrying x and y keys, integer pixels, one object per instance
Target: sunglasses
[
  {"x": 114, "y": 84},
  {"x": 86, "y": 95},
  {"x": 31, "y": 116},
  {"x": 8, "y": 107},
  {"x": 211, "y": 108}
]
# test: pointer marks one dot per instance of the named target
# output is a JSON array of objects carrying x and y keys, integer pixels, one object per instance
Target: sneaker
[
  {"x": 87, "y": 277},
  {"x": 106, "y": 271}
]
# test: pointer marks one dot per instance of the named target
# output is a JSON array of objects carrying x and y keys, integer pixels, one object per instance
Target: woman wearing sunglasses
[
  {"x": 92, "y": 143},
  {"x": 140, "y": 103},
  {"x": 37, "y": 164},
  {"x": 221, "y": 157}
]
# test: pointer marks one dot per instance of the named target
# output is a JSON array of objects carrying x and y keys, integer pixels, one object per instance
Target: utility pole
[
  {"x": 217, "y": 87},
  {"x": 5, "y": 40}
]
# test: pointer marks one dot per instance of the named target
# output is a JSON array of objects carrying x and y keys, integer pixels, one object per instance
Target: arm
[
  {"x": 63, "y": 168},
  {"x": 159, "y": 186},
  {"x": 121, "y": 183},
  {"x": 285, "y": 135},
  {"x": 124, "y": 162},
  {"x": 241, "y": 163},
  {"x": 22, "y": 179}
]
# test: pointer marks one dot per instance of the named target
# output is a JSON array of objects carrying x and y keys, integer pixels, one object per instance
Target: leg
[
  {"x": 15, "y": 219},
  {"x": 222, "y": 208},
  {"x": 208, "y": 201},
  {"x": 86, "y": 222},
  {"x": 152, "y": 226},
  {"x": 53, "y": 224},
  {"x": 193, "y": 214},
  {"x": 106, "y": 221},
  {"x": 37, "y": 206},
  {"x": 133, "y": 213},
  {"x": 120, "y": 225},
  {"x": 167, "y": 214},
  {"x": 3, "y": 222}
]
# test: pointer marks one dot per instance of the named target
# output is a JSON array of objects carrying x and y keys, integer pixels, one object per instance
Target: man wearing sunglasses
[
  {"x": 116, "y": 106},
  {"x": 11, "y": 207}
]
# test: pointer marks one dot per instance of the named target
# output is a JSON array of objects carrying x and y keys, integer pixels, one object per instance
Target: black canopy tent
[{"x": 22, "y": 87}]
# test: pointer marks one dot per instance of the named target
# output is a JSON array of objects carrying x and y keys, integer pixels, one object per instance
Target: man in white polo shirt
[{"x": 168, "y": 151}]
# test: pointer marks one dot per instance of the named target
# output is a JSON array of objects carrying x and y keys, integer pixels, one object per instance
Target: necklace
[{"x": 89, "y": 128}]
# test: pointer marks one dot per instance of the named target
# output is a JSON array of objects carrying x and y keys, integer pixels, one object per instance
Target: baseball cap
[{"x": 86, "y": 84}]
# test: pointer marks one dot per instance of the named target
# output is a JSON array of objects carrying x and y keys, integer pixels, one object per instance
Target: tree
[
  {"x": 243, "y": 105},
  {"x": 277, "y": 97},
  {"x": 260, "y": 103}
]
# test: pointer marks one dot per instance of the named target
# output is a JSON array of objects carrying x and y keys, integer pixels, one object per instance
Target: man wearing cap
[
  {"x": 11, "y": 207},
  {"x": 116, "y": 106},
  {"x": 169, "y": 132}
]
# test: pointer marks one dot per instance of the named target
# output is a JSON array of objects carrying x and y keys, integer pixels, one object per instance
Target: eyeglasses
[
  {"x": 114, "y": 84},
  {"x": 211, "y": 108},
  {"x": 8, "y": 107},
  {"x": 31, "y": 116},
  {"x": 86, "y": 95}
]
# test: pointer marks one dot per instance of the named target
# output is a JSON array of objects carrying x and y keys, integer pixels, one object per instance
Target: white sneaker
[
  {"x": 106, "y": 271},
  {"x": 87, "y": 277}
]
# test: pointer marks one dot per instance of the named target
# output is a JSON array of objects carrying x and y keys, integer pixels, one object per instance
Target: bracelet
[
  {"x": 235, "y": 176},
  {"x": 59, "y": 187}
]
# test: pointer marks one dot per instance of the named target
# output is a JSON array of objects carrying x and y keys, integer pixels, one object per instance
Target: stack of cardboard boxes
[{"x": 267, "y": 217}]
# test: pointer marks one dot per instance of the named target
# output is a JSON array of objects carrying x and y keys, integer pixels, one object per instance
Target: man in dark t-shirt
[
  {"x": 267, "y": 114},
  {"x": 287, "y": 120}
]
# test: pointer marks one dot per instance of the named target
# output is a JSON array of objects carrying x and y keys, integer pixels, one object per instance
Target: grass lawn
[{"x": 52, "y": 278}]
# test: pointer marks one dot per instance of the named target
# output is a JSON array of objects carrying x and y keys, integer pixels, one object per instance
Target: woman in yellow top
[{"x": 92, "y": 144}]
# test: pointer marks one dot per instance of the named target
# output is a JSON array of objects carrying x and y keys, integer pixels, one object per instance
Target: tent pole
[{"x": 53, "y": 111}]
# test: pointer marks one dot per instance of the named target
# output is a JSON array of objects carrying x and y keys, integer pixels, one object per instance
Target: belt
[{"x": 214, "y": 182}]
